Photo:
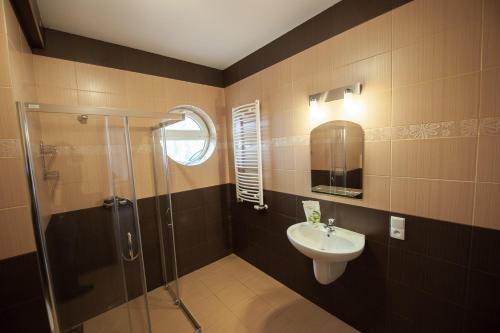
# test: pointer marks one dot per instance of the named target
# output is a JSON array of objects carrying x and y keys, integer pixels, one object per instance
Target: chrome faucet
[{"x": 330, "y": 226}]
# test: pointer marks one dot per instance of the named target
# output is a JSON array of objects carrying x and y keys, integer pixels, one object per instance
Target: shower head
[{"x": 83, "y": 118}]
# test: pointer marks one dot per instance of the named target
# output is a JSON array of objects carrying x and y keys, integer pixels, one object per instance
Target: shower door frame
[
  {"x": 43, "y": 261},
  {"x": 175, "y": 294}
]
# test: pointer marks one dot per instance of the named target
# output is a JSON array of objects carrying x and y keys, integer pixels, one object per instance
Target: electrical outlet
[{"x": 397, "y": 227}]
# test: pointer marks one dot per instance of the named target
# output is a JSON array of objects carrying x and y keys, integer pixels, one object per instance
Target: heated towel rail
[{"x": 248, "y": 154}]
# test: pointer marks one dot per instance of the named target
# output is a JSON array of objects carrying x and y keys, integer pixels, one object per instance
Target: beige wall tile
[
  {"x": 67, "y": 131},
  {"x": 75, "y": 196},
  {"x": 323, "y": 63},
  {"x": 80, "y": 167},
  {"x": 302, "y": 157},
  {"x": 207, "y": 174},
  {"x": 283, "y": 157},
  {"x": 279, "y": 100},
  {"x": 420, "y": 19},
  {"x": 137, "y": 83},
  {"x": 82, "y": 84},
  {"x": 301, "y": 64},
  {"x": 10, "y": 148},
  {"x": 277, "y": 76},
  {"x": 27, "y": 61},
  {"x": 144, "y": 174},
  {"x": 364, "y": 41},
  {"x": 450, "y": 158},
  {"x": 376, "y": 192},
  {"x": 56, "y": 95},
  {"x": 374, "y": 73},
  {"x": 2, "y": 18},
  {"x": 374, "y": 111},
  {"x": 142, "y": 103},
  {"x": 302, "y": 182},
  {"x": 54, "y": 72},
  {"x": 447, "y": 99},
  {"x": 490, "y": 93},
  {"x": 9, "y": 125},
  {"x": 452, "y": 52},
  {"x": 436, "y": 54},
  {"x": 487, "y": 208},
  {"x": 4, "y": 62},
  {"x": 16, "y": 236},
  {"x": 377, "y": 159},
  {"x": 488, "y": 168},
  {"x": 283, "y": 180},
  {"x": 176, "y": 92},
  {"x": 101, "y": 99},
  {"x": 12, "y": 183},
  {"x": 301, "y": 118},
  {"x": 434, "y": 69},
  {"x": 443, "y": 200},
  {"x": 100, "y": 79},
  {"x": 13, "y": 29},
  {"x": 491, "y": 34},
  {"x": 281, "y": 124},
  {"x": 209, "y": 99}
]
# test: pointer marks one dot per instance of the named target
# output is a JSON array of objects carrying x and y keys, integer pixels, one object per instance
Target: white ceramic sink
[{"x": 330, "y": 251}]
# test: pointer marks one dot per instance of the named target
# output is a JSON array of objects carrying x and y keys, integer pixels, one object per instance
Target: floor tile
[{"x": 227, "y": 296}]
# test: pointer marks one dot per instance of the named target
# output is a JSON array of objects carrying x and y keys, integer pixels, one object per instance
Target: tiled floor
[
  {"x": 231, "y": 295},
  {"x": 228, "y": 296}
]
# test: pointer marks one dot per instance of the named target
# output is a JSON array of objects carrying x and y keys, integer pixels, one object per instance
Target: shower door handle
[
  {"x": 130, "y": 242},
  {"x": 167, "y": 215}
]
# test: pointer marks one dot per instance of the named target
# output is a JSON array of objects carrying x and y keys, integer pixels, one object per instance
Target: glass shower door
[
  {"x": 164, "y": 209},
  {"x": 86, "y": 220}
]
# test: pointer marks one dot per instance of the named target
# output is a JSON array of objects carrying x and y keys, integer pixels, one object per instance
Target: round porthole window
[{"x": 192, "y": 140}]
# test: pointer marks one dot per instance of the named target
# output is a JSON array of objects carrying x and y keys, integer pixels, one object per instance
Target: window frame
[{"x": 202, "y": 119}]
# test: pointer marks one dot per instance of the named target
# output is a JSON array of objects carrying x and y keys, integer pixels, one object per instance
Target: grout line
[
  {"x": 434, "y": 179},
  {"x": 474, "y": 196},
  {"x": 441, "y": 78},
  {"x": 491, "y": 183},
  {"x": 391, "y": 141},
  {"x": 13, "y": 207}
]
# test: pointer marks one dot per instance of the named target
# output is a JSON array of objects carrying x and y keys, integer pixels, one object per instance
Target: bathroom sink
[{"x": 330, "y": 250}]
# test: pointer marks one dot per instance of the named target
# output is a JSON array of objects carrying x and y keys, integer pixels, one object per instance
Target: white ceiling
[{"x": 215, "y": 33}]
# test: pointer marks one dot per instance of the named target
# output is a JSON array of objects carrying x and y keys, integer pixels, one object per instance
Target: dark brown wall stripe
[
  {"x": 333, "y": 21},
  {"x": 67, "y": 46},
  {"x": 29, "y": 18},
  {"x": 444, "y": 277},
  {"x": 202, "y": 234}
]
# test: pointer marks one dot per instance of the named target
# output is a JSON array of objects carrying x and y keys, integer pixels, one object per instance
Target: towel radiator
[{"x": 248, "y": 154}]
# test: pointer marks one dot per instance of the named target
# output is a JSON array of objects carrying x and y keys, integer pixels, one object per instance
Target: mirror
[{"x": 337, "y": 159}]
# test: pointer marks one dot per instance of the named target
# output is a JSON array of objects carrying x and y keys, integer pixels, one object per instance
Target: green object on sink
[
  {"x": 315, "y": 217},
  {"x": 312, "y": 211}
]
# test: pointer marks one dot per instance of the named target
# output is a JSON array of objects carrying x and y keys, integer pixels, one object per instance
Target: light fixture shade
[
  {"x": 337, "y": 93},
  {"x": 313, "y": 105},
  {"x": 348, "y": 99}
]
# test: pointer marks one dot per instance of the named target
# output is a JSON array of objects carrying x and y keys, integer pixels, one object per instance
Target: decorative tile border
[
  {"x": 10, "y": 148},
  {"x": 462, "y": 128},
  {"x": 445, "y": 129},
  {"x": 378, "y": 134},
  {"x": 490, "y": 126}
]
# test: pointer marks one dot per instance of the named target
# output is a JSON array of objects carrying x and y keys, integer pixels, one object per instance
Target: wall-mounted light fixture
[{"x": 345, "y": 93}]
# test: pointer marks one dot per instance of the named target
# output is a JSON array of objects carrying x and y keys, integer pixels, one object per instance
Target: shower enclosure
[{"x": 98, "y": 273}]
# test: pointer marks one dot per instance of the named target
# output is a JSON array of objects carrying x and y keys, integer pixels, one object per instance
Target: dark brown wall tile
[{"x": 67, "y": 46}]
